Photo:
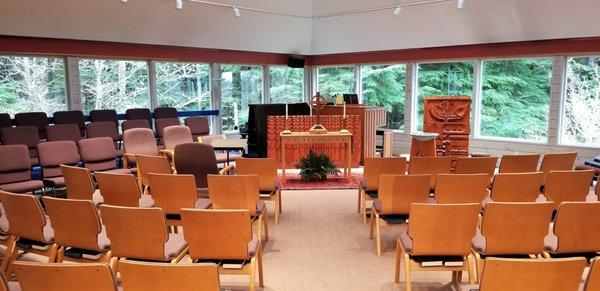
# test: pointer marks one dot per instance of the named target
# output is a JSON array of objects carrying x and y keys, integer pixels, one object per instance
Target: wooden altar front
[{"x": 450, "y": 117}]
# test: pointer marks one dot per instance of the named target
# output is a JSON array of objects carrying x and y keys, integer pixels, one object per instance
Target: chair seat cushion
[
  {"x": 551, "y": 243},
  {"x": 3, "y": 220},
  {"x": 260, "y": 206},
  {"x": 48, "y": 231},
  {"x": 97, "y": 197},
  {"x": 253, "y": 246},
  {"x": 406, "y": 241},
  {"x": 478, "y": 243},
  {"x": 377, "y": 205},
  {"x": 372, "y": 193},
  {"x": 103, "y": 241},
  {"x": 174, "y": 246},
  {"x": 22, "y": 187},
  {"x": 56, "y": 182},
  {"x": 146, "y": 201},
  {"x": 14, "y": 286},
  {"x": 202, "y": 203},
  {"x": 202, "y": 192}
]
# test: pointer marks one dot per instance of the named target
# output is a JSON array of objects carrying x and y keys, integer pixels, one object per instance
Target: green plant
[{"x": 316, "y": 167}]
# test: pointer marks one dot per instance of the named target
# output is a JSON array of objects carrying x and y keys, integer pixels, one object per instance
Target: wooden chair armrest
[
  {"x": 167, "y": 152},
  {"x": 126, "y": 159},
  {"x": 227, "y": 170}
]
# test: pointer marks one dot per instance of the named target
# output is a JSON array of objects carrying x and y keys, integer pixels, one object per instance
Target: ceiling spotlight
[
  {"x": 179, "y": 4},
  {"x": 236, "y": 11},
  {"x": 398, "y": 10},
  {"x": 124, "y": 1},
  {"x": 460, "y": 4}
]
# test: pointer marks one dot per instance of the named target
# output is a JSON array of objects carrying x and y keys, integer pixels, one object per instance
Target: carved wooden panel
[{"x": 450, "y": 116}]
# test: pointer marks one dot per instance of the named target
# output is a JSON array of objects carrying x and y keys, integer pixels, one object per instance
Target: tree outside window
[
  {"x": 240, "y": 86},
  {"x": 184, "y": 86},
  {"x": 286, "y": 84},
  {"x": 384, "y": 86},
  {"x": 336, "y": 80}
]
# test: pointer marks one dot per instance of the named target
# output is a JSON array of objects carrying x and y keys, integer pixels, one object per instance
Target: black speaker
[{"x": 295, "y": 62}]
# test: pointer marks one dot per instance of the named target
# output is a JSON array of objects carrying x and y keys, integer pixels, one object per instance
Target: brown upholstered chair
[
  {"x": 78, "y": 231},
  {"x": 58, "y": 277},
  {"x": 438, "y": 232},
  {"x": 52, "y": 155},
  {"x": 501, "y": 274},
  {"x": 461, "y": 188},
  {"x": 101, "y": 115},
  {"x": 575, "y": 230},
  {"x": 199, "y": 160},
  {"x": 103, "y": 129},
  {"x": 99, "y": 154},
  {"x": 62, "y": 132},
  {"x": 15, "y": 175},
  {"x": 592, "y": 281},
  {"x": 141, "y": 234},
  {"x": 138, "y": 113},
  {"x": 396, "y": 194},
  {"x": 557, "y": 162},
  {"x": 519, "y": 163},
  {"x": 29, "y": 228},
  {"x": 367, "y": 188},
  {"x": 221, "y": 156},
  {"x": 25, "y": 135},
  {"x": 5, "y": 121},
  {"x": 37, "y": 119},
  {"x": 512, "y": 230},
  {"x": 430, "y": 165},
  {"x": 174, "y": 135},
  {"x": 420, "y": 148},
  {"x": 517, "y": 187},
  {"x": 161, "y": 124},
  {"x": 569, "y": 185},
  {"x": 71, "y": 117},
  {"x": 150, "y": 164},
  {"x": 239, "y": 192},
  {"x": 165, "y": 112},
  {"x": 121, "y": 190},
  {"x": 135, "y": 123},
  {"x": 198, "y": 125},
  {"x": 476, "y": 165},
  {"x": 165, "y": 277},
  {"x": 268, "y": 183},
  {"x": 224, "y": 235},
  {"x": 80, "y": 185},
  {"x": 138, "y": 141}
]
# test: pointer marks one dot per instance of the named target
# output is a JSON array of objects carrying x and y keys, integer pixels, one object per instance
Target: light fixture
[
  {"x": 124, "y": 1},
  {"x": 236, "y": 11},
  {"x": 398, "y": 10},
  {"x": 460, "y": 4},
  {"x": 179, "y": 4}
]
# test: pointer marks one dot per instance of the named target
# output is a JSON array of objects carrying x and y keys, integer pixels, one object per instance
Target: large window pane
[
  {"x": 384, "y": 85},
  {"x": 443, "y": 79},
  {"x": 32, "y": 84},
  {"x": 515, "y": 98},
  {"x": 114, "y": 84},
  {"x": 286, "y": 84},
  {"x": 240, "y": 86},
  {"x": 185, "y": 86},
  {"x": 581, "y": 114},
  {"x": 334, "y": 80}
]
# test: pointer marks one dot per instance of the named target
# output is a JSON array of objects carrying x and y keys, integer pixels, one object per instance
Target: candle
[
  {"x": 310, "y": 107},
  {"x": 344, "y": 110},
  {"x": 286, "y": 111}
]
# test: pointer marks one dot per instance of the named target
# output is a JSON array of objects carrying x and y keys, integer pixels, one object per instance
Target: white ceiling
[{"x": 197, "y": 25}]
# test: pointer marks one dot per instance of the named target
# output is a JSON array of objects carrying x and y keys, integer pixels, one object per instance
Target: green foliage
[
  {"x": 240, "y": 86},
  {"x": 316, "y": 167},
  {"x": 384, "y": 86},
  {"x": 185, "y": 86},
  {"x": 286, "y": 84},
  {"x": 334, "y": 80}
]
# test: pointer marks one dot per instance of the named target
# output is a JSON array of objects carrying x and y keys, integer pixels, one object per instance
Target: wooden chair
[
  {"x": 517, "y": 187},
  {"x": 30, "y": 230},
  {"x": 199, "y": 160},
  {"x": 476, "y": 165},
  {"x": 575, "y": 230},
  {"x": 396, "y": 193},
  {"x": 122, "y": 190},
  {"x": 430, "y": 165},
  {"x": 268, "y": 183},
  {"x": 150, "y": 164},
  {"x": 500, "y": 274},
  {"x": 519, "y": 163},
  {"x": 368, "y": 186},
  {"x": 224, "y": 235},
  {"x": 420, "y": 148},
  {"x": 438, "y": 232},
  {"x": 512, "y": 229},
  {"x": 557, "y": 162},
  {"x": 461, "y": 188},
  {"x": 80, "y": 185},
  {"x": 8, "y": 286},
  {"x": 78, "y": 231},
  {"x": 568, "y": 185},
  {"x": 58, "y": 277},
  {"x": 592, "y": 281},
  {"x": 142, "y": 234},
  {"x": 239, "y": 192},
  {"x": 140, "y": 276}
]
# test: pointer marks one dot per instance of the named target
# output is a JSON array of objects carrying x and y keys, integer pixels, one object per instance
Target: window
[
  {"x": 286, "y": 84},
  {"x": 240, "y": 85},
  {"x": 515, "y": 98},
  {"x": 185, "y": 86},
  {"x": 383, "y": 85},
  {"x": 581, "y": 107},
  {"x": 29, "y": 84},
  {"x": 114, "y": 84},
  {"x": 334, "y": 80},
  {"x": 443, "y": 79}
]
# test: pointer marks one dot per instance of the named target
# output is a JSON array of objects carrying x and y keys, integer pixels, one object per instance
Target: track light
[
  {"x": 179, "y": 4},
  {"x": 236, "y": 11},
  {"x": 398, "y": 10},
  {"x": 124, "y": 1},
  {"x": 460, "y": 4}
]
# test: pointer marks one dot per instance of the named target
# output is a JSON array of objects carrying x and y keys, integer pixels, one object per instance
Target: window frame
[{"x": 210, "y": 81}]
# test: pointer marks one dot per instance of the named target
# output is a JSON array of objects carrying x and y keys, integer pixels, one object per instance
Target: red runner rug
[{"x": 293, "y": 182}]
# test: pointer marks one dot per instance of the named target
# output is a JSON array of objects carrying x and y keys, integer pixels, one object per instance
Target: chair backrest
[
  {"x": 162, "y": 123},
  {"x": 501, "y": 274},
  {"x": 165, "y": 112},
  {"x": 151, "y": 164},
  {"x": 75, "y": 222},
  {"x": 173, "y": 192},
  {"x": 78, "y": 182},
  {"x": 37, "y": 119},
  {"x": 377, "y": 166},
  {"x": 64, "y": 276},
  {"x": 27, "y": 216},
  {"x": 6, "y": 121},
  {"x": 198, "y": 125},
  {"x": 101, "y": 115},
  {"x": 139, "y": 113},
  {"x": 136, "y": 233},
  {"x": 207, "y": 139},
  {"x": 140, "y": 141},
  {"x": 135, "y": 123},
  {"x": 101, "y": 129},
  {"x": 196, "y": 159},
  {"x": 442, "y": 229},
  {"x": 27, "y": 135},
  {"x": 568, "y": 185},
  {"x": 54, "y": 153},
  {"x": 219, "y": 234},
  {"x": 176, "y": 134},
  {"x": 516, "y": 228},
  {"x": 71, "y": 117},
  {"x": 265, "y": 168},
  {"x": 461, "y": 188},
  {"x": 430, "y": 165},
  {"x": 476, "y": 165},
  {"x": 420, "y": 148},
  {"x": 165, "y": 276},
  {"x": 233, "y": 192},
  {"x": 98, "y": 154},
  {"x": 519, "y": 163},
  {"x": 576, "y": 226},
  {"x": 118, "y": 189},
  {"x": 398, "y": 192},
  {"x": 557, "y": 162},
  {"x": 593, "y": 279},
  {"x": 15, "y": 165},
  {"x": 516, "y": 187}
]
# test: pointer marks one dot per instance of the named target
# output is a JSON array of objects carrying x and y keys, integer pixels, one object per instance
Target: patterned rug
[{"x": 293, "y": 182}]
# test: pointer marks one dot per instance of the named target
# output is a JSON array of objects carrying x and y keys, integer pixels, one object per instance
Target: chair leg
[
  {"x": 279, "y": 200},
  {"x": 60, "y": 256},
  {"x": 359, "y": 201},
  {"x": 478, "y": 266},
  {"x": 457, "y": 277},
  {"x": 407, "y": 272},
  {"x": 398, "y": 259},
  {"x": 252, "y": 274},
  {"x": 277, "y": 210},
  {"x": 114, "y": 263},
  {"x": 470, "y": 269},
  {"x": 52, "y": 253},
  {"x": 363, "y": 209},
  {"x": 265, "y": 225},
  {"x": 260, "y": 267},
  {"x": 377, "y": 232},
  {"x": 9, "y": 253},
  {"x": 372, "y": 227}
]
